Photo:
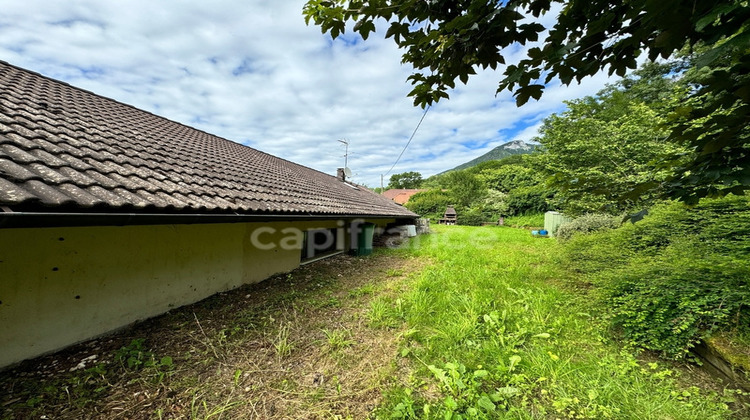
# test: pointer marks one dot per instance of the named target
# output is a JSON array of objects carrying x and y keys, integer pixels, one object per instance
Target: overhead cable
[{"x": 410, "y": 139}]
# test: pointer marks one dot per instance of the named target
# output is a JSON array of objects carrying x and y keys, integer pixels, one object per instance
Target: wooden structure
[{"x": 449, "y": 217}]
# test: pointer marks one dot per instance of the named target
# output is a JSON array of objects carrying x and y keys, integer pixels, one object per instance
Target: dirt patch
[{"x": 298, "y": 345}]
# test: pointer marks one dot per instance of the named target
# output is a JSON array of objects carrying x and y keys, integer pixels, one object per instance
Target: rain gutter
[{"x": 13, "y": 219}]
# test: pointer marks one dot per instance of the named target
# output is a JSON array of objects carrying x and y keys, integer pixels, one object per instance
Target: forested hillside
[{"x": 511, "y": 148}]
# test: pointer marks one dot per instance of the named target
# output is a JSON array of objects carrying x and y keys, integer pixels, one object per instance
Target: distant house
[
  {"x": 401, "y": 196},
  {"x": 110, "y": 214}
]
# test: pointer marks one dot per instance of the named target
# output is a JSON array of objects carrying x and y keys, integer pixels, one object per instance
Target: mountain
[{"x": 515, "y": 147}]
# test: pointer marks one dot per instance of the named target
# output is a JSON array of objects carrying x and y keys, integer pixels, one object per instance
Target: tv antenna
[{"x": 346, "y": 154}]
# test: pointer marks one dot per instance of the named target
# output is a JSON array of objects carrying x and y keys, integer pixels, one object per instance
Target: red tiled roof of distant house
[{"x": 400, "y": 196}]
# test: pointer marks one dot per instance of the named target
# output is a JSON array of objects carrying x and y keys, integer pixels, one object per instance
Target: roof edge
[{"x": 51, "y": 219}]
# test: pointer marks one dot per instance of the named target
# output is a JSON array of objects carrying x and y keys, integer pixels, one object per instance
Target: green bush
[
  {"x": 528, "y": 200},
  {"x": 674, "y": 277},
  {"x": 667, "y": 303},
  {"x": 471, "y": 217},
  {"x": 494, "y": 204},
  {"x": 587, "y": 223},
  {"x": 431, "y": 203}
]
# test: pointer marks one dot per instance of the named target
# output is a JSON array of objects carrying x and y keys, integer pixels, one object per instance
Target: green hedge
[{"x": 471, "y": 217}]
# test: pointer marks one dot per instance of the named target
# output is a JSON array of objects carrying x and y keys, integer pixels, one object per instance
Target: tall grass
[
  {"x": 494, "y": 333},
  {"x": 526, "y": 221}
]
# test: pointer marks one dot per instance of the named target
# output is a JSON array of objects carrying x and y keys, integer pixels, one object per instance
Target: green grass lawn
[
  {"x": 494, "y": 329},
  {"x": 465, "y": 323}
]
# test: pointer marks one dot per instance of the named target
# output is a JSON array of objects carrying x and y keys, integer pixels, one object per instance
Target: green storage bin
[
  {"x": 364, "y": 239},
  {"x": 553, "y": 220}
]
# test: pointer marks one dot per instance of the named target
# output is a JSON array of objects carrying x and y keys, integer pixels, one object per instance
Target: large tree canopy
[
  {"x": 405, "y": 180},
  {"x": 604, "y": 147},
  {"x": 448, "y": 40}
]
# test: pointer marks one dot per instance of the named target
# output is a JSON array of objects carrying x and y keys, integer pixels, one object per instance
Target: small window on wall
[{"x": 321, "y": 243}]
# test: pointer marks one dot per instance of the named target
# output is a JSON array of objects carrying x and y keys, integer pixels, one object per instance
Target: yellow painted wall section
[
  {"x": 271, "y": 246},
  {"x": 59, "y": 286}
]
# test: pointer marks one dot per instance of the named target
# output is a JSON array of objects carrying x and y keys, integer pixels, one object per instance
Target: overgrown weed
[{"x": 499, "y": 337}]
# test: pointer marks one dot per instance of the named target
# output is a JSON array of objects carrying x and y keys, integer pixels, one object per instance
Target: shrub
[
  {"x": 674, "y": 277},
  {"x": 587, "y": 223},
  {"x": 527, "y": 200},
  {"x": 494, "y": 204},
  {"x": 669, "y": 302},
  {"x": 431, "y": 203},
  {"x": 471, "y": 217}
]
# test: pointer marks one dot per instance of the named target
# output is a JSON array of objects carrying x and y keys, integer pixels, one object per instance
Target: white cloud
[{"x": 253, "y": 72}]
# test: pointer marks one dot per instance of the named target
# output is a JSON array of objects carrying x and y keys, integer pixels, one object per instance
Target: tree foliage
[
  {"x": 485, "y": 192},
  {"x": 431, "y": 203},
  {"x": 610, "y": 152},
  {"x": 713, "y": 121},
  {"x": 405, "y": 180},
  {"x": 448, "y": 40},
  {"x": 597, "y": 159},
  {"x": 464, "y": 187},
  {"x": 509, "y": 177}
]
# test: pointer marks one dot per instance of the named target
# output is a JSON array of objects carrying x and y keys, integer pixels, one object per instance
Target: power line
[{"x": 410, "y": 138}]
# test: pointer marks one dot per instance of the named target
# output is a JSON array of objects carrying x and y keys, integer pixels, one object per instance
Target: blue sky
[{"x": 252, "y": 71}]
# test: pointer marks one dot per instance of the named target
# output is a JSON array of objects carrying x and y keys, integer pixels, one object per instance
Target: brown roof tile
[
  {"x": 15, "y": 172},
  {"x": 110, "y": 198},
  {"x": 65, "y": 147},
  {"x": 11, "y": 193},
  {"x": 48, "y": 195},
  {"x": 400, "y": 196}
]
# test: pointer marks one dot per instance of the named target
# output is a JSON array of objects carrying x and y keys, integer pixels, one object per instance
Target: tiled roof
[
  {"x": 400, "y": 196},
  {"x": 64, "y": 148}
]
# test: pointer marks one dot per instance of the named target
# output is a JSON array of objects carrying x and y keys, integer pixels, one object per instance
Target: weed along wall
[{"x": 59, "y": 286}]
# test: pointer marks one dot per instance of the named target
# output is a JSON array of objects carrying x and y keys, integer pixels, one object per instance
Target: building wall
[{"x": 59, "y": 286}]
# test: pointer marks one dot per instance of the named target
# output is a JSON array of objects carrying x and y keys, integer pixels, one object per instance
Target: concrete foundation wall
[{"x": 59, "y": 286}]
